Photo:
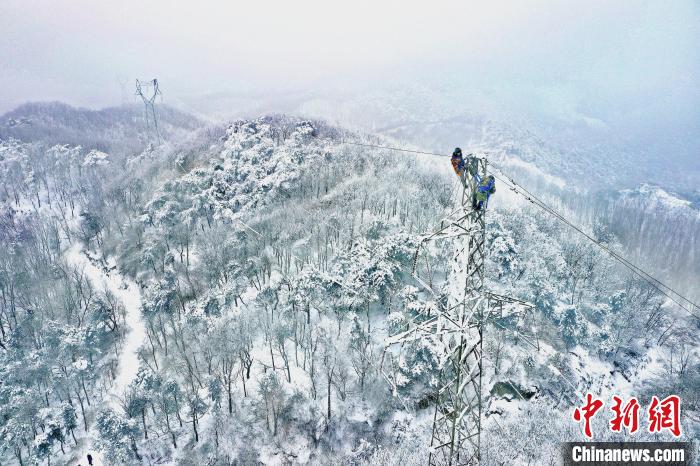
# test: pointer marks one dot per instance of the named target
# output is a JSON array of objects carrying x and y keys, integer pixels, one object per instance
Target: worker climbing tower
[{"x": 456, "y": 319}]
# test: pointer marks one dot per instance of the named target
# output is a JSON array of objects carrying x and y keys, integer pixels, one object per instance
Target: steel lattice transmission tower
[
  {"x": 455, "y": 323},
  {"x": 148, "y": 91}
]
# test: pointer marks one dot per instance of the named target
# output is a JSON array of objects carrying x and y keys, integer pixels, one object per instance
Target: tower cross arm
[
  {"x": 501, "y": 303},
  {"x": 500, "y": 308}
]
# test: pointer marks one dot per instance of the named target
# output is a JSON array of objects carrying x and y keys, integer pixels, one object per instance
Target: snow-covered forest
[{"x": 225, "y": 297}]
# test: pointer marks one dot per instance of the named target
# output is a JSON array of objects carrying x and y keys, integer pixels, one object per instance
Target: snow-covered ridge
[{"x": 660, "y": 197}]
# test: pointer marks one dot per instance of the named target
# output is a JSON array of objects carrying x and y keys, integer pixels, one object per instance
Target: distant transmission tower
[
  {"x": 148, "y": 91},
  {"x": 456, "y": 325}
]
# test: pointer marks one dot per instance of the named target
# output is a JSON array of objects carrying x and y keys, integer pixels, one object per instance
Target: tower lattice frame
[
  {"x": 149, "y": 91},
  {"x": 462, "y": 309}
]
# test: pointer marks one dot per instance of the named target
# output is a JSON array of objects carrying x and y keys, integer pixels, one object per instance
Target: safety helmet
[{"x": 457, "y": 152}]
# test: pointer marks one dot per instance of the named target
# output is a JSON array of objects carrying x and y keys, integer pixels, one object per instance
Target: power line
[
  {"x": 632, "y": 267},
  {"x": 378, "y": 146},
  {"x": 656, "y": 283}
]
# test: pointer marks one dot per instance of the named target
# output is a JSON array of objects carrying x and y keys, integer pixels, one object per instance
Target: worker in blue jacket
[{"x": 484, "y": 186}]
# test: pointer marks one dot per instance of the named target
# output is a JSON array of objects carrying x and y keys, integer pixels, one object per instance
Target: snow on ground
[{"x": 129, "y": 295}]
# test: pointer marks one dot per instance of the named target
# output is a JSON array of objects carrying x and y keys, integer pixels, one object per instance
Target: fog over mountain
[{"x": 612, "y": 80}]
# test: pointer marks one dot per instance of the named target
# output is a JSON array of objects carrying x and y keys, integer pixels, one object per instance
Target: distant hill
[
  {"x": 113, "y": 129},
  {"x": 592, "y": 152}
]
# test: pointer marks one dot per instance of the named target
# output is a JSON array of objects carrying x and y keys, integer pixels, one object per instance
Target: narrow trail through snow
[{"x": 129, "y": 295}]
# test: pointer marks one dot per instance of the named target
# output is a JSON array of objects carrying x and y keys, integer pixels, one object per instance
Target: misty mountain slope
[
  {"x": 660, "y": 229},
  {"x": 115, "y": 129},
  {"x": 656, "y": 227},
  {"x": 590, "y": 146},
  {"x": 589, "y": 164},
  {"x": 273, "y": 262}
]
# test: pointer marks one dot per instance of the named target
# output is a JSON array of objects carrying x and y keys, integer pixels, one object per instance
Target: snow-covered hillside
[
  {"x": 104, "y": 275},
  {"x": 265, "y": 265},
  {"x": 115, "y": 129}
]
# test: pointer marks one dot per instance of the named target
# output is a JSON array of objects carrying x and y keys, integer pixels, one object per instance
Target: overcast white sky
[{"x": 78, "y": 50}]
